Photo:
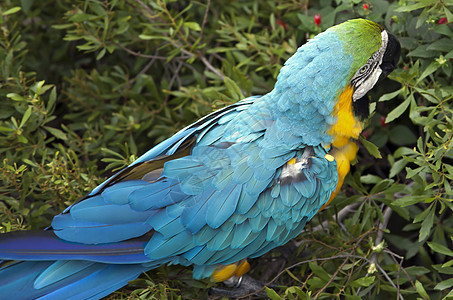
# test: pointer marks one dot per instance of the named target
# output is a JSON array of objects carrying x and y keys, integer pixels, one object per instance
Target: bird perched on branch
[{"x": 234, "y": 185}]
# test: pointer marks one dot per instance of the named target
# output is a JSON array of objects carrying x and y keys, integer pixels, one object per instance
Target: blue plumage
[
  {"x": 233, "y": 185},
  {"x": 59, "y": 270},
  {"x": 222, "y": 205}
]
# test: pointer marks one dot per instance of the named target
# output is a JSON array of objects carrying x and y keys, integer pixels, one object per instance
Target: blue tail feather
[
  {"x": 60, "y": 270},
  {"x": 45, "y": 246},
  {"x": 24, "y": 280}
]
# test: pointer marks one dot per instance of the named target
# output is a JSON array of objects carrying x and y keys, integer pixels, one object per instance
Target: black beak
[{"x": 391, "y": 56}]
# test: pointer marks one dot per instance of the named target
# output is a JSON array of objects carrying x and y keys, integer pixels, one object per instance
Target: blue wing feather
[
  {"x": 118, "y": 193},
  {"x": 158, "y": 195},
  {"x": 222, "y": 205},
  {"x": 107, "y": 213},
  {"x": 221, "y": 240}
]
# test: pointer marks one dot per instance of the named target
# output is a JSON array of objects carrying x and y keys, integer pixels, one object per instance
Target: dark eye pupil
[{"x": 364, "y": 69}]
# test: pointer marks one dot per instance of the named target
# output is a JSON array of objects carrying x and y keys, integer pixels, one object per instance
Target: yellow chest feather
[
  {"x": 343, "y": 150},
  {"x": 347, "y": 126},
  {"x": 343, "y": 156}
]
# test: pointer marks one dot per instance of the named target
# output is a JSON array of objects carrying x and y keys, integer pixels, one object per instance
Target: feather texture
[{"x": 233, "y": 185}]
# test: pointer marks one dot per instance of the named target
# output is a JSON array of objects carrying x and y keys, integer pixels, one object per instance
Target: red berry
[
  {"x": 281, "y": 23},
  {"x": 382, "y": 119},
  {"x": 442, "y": 21},
  {"x": 365, "y": 6},
  {"x": 317, "y": 20}
]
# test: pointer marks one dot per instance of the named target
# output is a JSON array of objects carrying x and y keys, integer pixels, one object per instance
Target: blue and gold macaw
[{"x": 233, "y": 185}]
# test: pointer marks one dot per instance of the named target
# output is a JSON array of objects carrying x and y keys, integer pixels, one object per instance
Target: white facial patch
[{"x": 366, "y": 77}]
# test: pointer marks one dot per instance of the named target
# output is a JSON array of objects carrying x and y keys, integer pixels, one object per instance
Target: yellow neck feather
[{"x": 347, "y": 126}]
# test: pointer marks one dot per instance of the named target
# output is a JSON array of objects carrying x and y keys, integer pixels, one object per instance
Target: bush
[{"x": 89, "y": 85}]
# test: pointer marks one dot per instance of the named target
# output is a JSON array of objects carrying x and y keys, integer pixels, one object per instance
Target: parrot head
[
  {"x": 323, "y": 86},
  {"x": 376, "y": 53}
]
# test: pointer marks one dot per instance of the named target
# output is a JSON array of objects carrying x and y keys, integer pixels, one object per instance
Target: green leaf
[
  {"x": 52, "y": 99},
  {"x": 370, "y": 179},
  {"x": 87, "y": 47},
  {"x": 443, "y": 45},
  {"x": 272, "y": 294},
  {"x": 422, "y": 19},
  {"x": 6, "y": 129},
  {"x": 427, "y": 224},
  {"x": 111, "y": 152},
  {"x": 449, "y": 296},
  {"x": 449, "y": 169},
  {"x": 449, "y": 14},
  {"x": 26, "y": 5},
  {"x": 444, "y": 30},
  {"x": 408, "y": 200},
  {"x": 26, "y": 116},
  {"x": 372, "y": 108},
  {"x": 421, "y": 290},
  {"x": 31, "y": 163},
  {"x": 428, "y": 71},
  {"x": 415, "y": 6},
  {"x": 11, "y": 11},
  {"x": 448, "y": 264},
  {"x": 316, "y": 282},
  {"x": 82, "y": 17},
  {"x": 422, "y": 51},
  {"x": 381, "y": 186},
  {"x": 403, "y": 151},
  {"x": 15, "y": 97},
  {"x": 44, "y": 89},
  {"x": 22, "y": 139},
  {"x": 412, "y": 172},
  {"x": 292, "y": 275},
  {"x": 421, "y": 216},
  {"x": 153, "y": 37},
  {"x": 417, "y": 271},
  {"x": 390, "y": 96},
  {"x": 63, "y": 26},
  {"x": 397, "y": 167},
  {"x": 319, "y": 271},
  {"x": 440, "y": 248},
  {"x": 192, "y": 25},
  {"x": 428, "y": 95},
  {"x": 364, "y": 281},
  {"x": 233, "y": 88},
  {"x": 100, "y": 54},
  {"x": 370, "y": 147},
  {"x": 56, "y": 132},
  {"x": 398, "y": 111}
]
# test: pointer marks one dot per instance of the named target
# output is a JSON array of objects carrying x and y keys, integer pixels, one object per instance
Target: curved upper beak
[{"x": 391, "y": 56}]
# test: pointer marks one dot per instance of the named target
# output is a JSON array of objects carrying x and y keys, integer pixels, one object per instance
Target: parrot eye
[{"x": 364, "y": 69}]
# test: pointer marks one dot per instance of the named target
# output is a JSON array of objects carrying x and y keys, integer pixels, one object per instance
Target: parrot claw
[
  {"x": 240, "y": 287},
  {"x": 233, "y": 281}
]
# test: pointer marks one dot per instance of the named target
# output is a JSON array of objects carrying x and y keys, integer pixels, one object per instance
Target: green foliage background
[{"x": 87, "y": 86}]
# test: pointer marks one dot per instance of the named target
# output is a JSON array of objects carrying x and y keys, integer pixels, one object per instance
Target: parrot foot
[{"x": 240, "y": 287}]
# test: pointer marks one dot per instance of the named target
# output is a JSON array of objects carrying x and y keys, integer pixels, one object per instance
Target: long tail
[
  {"x": 39, "y": 265},
  {"x": 64, "y": 279}
]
